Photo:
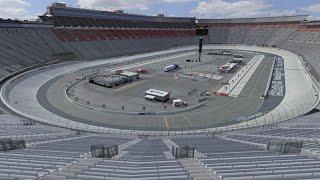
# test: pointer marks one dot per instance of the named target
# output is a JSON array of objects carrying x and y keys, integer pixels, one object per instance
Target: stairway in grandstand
[{"x": 193, "y": 166}]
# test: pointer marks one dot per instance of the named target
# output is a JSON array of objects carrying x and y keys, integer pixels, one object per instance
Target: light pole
[
  {"x": 200, "y": 48},
  {"x": 201, "y": 31}
]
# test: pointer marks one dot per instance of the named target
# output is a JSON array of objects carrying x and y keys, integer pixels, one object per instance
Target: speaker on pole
[{"x": 202, "y": 31}]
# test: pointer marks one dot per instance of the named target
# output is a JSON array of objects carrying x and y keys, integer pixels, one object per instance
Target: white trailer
[
  {"x": 226, "y": 53},
  {"x": 158, "y": 95},
  {"x": 171, "y": 67},
  {"x": 228, "y": 67},
  {"x": 238, "y": 55}
]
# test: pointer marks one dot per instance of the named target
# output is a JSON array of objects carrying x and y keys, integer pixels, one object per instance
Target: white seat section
[{"x": 226, "y": 159}]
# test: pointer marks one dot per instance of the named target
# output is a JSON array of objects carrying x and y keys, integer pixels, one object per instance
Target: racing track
[{"x": 20, "y": 93}]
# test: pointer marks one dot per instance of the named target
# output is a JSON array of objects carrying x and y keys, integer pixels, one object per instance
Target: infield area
[{"x": 125, "y": 107}]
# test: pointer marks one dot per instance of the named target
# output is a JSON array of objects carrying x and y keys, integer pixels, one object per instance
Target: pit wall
[
  {"x": 234, "y": 81},
  {"x": 301, "y": 94}
]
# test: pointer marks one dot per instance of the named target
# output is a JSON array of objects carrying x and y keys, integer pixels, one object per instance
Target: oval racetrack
[{"x": 20, "y": 93}]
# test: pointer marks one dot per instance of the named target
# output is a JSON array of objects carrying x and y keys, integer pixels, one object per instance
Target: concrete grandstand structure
[{"x": 68, "y": 40}]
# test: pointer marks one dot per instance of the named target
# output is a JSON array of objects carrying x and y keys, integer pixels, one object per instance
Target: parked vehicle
[{"x": 171, "y": 67}]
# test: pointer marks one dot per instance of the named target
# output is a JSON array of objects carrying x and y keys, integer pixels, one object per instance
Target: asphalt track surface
[{"x": 217, "y": 111}]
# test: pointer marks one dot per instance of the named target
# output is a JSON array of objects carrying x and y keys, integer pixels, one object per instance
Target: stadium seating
[
  {"x": 232, "y": 160},
  {"x": 131, "y": 22},
  {"x": 49, "y": 149},
  {"x": 25, "y": 47},
  {"x": 58, "y": 153},
  {"x": 27, "y": 44},
  {"x": 117, "y": 169},
  {"x": 69, "y": 35},
  {"x": 296, "y": 37}
]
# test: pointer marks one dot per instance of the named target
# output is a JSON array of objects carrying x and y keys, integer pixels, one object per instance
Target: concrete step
[
  {"x": 196, "y": 169},
  {"x": 85, "y": 162},
  {"x": 65, "y": 174},
  {"x": 80, "y": 166},
  {"x": 58, "y": 176},
  {"x": 74, "y": 169},
  {"x": 122, "y": 148},
  {"x": 54, "y": 177},
  {"x": 203, "y": 178},
  {"x": 169, "y": 144}
]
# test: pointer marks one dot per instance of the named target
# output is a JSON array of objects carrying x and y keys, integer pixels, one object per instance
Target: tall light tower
[
  {"x": 200, "y": 32},
  {"x": 200, "y": 47}
]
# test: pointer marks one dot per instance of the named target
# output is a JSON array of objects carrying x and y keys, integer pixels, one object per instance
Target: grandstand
[
  {"x": 61, "y": 36},
  {"x": 70, "y": 39},
  {"x": 293, "y": 33}
]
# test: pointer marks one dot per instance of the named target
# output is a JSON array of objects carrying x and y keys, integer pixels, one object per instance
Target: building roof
[
  {"x": 157, "y": 92},
  {"x": 99, "y": 14},
  {"x": 129, "y": 73}
]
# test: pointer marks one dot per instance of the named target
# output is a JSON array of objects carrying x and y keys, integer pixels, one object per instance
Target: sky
[{"x": 30, "y": 9}]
